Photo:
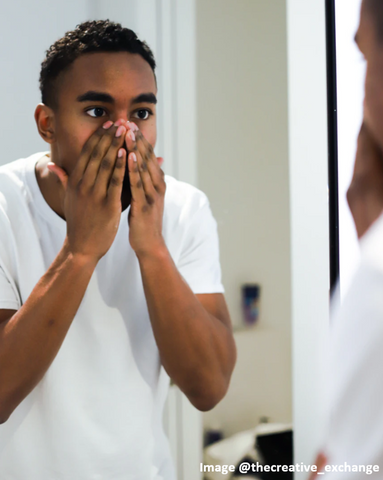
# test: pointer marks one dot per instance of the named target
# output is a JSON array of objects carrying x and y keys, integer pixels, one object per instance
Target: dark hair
[
  {"x": 375, "y": 8},
  {"x": 91, "y": 36}
]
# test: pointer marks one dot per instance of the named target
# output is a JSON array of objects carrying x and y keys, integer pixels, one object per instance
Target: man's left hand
[{"x": 148, "y": 191}]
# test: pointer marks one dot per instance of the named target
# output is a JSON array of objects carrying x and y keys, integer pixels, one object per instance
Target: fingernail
[
  {"x": 131, "y": 135},
  {"x": 120, "y": 152},
  {"x": 107, "y": 124},
  {"x": 133, "y": 126},
  {"x": 120, "y": 131},
  {"x": 134, "y": 158}
]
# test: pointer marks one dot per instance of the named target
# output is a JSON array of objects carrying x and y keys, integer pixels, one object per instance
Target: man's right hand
[
  {"x": 365, "y": 194},
  {"x": 92, "y": 198}
]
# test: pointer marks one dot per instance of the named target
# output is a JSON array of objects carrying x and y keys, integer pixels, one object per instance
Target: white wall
[
  {"x": 27, "y": 30},
  {"x": 243, "y": 168}
]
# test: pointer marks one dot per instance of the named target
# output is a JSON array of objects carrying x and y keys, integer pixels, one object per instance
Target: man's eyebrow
[
  {"x": 93, "y": 96},
  {"x": 145, "y": 98}
]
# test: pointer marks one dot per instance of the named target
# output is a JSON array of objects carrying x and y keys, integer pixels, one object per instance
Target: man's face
[
  {"x": 99, "y": 87},
  {"x": 372, "y": 50}
]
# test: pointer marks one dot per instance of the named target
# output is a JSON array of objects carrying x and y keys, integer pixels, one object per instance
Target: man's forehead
[{"x": 117, "y": 74}]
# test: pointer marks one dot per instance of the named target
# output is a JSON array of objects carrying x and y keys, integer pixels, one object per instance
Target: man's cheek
[
  {"x": 373, "y": 109},
  {"x": 71, "y": 147},
  {"x": 149, "y": 131},
  {"x": 373, "y": 118}
]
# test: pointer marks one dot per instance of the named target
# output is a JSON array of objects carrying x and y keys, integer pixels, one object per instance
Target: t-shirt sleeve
[
  {"x": 8, "y": 297},
  {"x": 199, "y": 260}
]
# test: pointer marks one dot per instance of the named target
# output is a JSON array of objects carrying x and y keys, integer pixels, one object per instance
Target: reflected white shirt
[{"x": 355, "y": 367}]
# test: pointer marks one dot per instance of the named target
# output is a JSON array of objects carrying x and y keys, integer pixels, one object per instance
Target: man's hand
[
  {"x": 320, "y": 462},
  {"x": 92, "y": 199},
  {"x": 365, "y": 194},
  {"x": 148, "y": 187}
]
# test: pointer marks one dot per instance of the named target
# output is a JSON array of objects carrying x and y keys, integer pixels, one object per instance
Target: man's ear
[{"x": 44, "y": 118}]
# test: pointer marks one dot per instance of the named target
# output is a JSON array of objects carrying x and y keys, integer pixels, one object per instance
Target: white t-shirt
[
  {"x": 355, "y": 368},
  {"x": 97, "y": 412}
]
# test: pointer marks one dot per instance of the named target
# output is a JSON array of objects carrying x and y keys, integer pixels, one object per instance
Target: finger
[
  {"x": 136, "y": 185},
  {"x": 102, "y": 159},
  {"x": 160, "y": 161},
  {"x": 117, "y": 178},
  {"x": 59, "y": 172},
  {"x": 132, "y": 126},
  {"x": 142, "y": 167},
  {"x": 86, "y": 151},
  {"x": 107, "y": 164},
  {"x": 150, "y": 161}
]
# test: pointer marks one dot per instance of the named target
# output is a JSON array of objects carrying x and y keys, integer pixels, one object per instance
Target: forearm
[
  {"x": 31, "y": 338},
  {"x": 196, "y": 349}
]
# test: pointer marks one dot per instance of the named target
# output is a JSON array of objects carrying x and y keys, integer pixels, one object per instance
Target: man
[
  {"x": 354, "y": 443},
  {"x": 108, "y": 285}
]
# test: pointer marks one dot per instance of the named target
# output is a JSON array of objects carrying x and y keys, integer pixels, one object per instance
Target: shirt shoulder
[
  {"x": 15, "y": 193},
  {"x": 184, "y": 199}
]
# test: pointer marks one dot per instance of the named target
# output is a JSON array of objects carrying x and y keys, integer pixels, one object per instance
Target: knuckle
[
  {"x": 87, "y": 148},
  {"x": 95, "y": 153},
  {"x": 116, "y": 141},
  {"x": 115, "y": 181},
  {"x": 99, "y": 132},
  {"x": 106, "y": 163},
  {"x": 112, "y": 131},
  {"x": 96, "y": 194},
  {"x": 72, "y": 182},
  {"x": 119, "y": 163},
  {"x": 81, "y": 188},
  {"x": 149, "y": 199}
]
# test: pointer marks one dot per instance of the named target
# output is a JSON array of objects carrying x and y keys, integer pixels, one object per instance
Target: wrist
[
  {"x": 158, "y": 251},
  {"x": 79, "y": 259}
]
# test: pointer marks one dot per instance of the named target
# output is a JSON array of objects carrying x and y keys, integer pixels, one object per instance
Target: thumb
[{"x": 59, "y": 172}]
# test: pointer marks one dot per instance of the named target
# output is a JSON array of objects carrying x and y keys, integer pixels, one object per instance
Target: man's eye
[
  {"x": 143, "y": 114},
  {"x": 98, "y": 112}
]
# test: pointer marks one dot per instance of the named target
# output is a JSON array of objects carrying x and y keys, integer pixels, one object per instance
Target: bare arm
[
  {"x": 31, "y": 337},
  {"x": 193, "y": 332}
]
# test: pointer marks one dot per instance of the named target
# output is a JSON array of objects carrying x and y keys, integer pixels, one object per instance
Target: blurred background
[{"x": 241, "y": 115}]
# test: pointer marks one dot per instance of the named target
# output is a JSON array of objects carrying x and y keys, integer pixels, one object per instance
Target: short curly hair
[{"x": 90, "y": 36}]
